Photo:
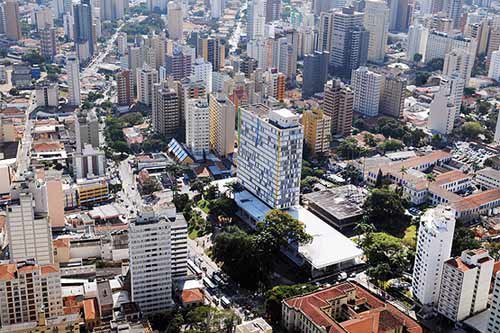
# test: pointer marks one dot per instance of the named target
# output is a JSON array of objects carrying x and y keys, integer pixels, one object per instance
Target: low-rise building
[
  {"x": 345, "y": 308},
  {"x": 488, "y": 178},
  {"x": 257, "y": 325},
  {"x": 92, "y": 191}
]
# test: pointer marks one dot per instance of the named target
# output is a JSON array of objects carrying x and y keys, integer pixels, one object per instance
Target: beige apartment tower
[
  {"x": 222, "y": 116},
  {"x": 317, "y": 131},
  {"x": 338, "y": 105},
  {"x": 12, "y": 20}
]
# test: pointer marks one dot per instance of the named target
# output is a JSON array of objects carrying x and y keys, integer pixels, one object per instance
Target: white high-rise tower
[
  {"x": 174, "y": 20},
  {"x": 73, "y": 71},
  {"x": 376, "y": 21},
  {"x": 445, "y": 108},
  {"x": 256, "y": 19}
]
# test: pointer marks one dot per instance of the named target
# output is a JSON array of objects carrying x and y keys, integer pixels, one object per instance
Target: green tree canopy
[{"x": 349, "y": 149}]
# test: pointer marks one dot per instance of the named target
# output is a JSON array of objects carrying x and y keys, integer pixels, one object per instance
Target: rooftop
[{"x": 341, "y": 202}]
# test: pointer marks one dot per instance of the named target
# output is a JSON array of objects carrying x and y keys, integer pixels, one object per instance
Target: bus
[
  {"x": 195, "y": 269},
  {"x": 208, "y": 283},
  {"x": 225, "y": 302}
]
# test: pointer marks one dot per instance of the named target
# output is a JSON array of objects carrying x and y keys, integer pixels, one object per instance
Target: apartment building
[
  {"x": 317, "y": 131},
  {"x": 367, "y": 86},
  {"x": 222, "y": 115},
  {"x": 178, "y": 238},
  {"x": 338, "y": 105},
  {"x": 150, "y": 262},
  {"x": 198, "y": 127},
  {"x": 166, "y": 117},
  {"x": 494, "y": 317},
  {"x": 146, "y": 79},
  {"x": 465, "y": 284},
  {"x": 270, "y": 155},
  {"x": 434, "y": 240},
  {"x": 25, "y": 288}
]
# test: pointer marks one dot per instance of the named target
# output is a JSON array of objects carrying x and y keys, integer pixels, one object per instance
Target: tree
[
  {"x": 211, "y": 192},
  {"x": 13, "y": 92},
  {"x": 150, "y": 185},
  {"x": 208, "y": 319},
  {"x": 417, "y": 57},
  {"x": 387, "y": 258},
  {"x": 421, "y": 78},
  {"x": 233, "y": 188},
  {"x": 349, "y": 149},
  {"x": 181, "y": 201},
  {"x": 438, "y": 142},
  {"x": 33, "y": 58},
  {"x": 463, "y": 239},
  {"x": 471, "y": 129},
  {"x": 352, "y": 174},
  {"x": 385, "y": 209},
  {"x": 199, "y": 184},
  {"x": 391, "y": 145},
  {"x": 223, "y": 206}
]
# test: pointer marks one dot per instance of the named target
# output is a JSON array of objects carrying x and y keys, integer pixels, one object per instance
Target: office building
[
  {"x": 392, "y": 97},
  {"x": 376, "y": 22},
  {"x": 417, "y": 42},
  {"x": 89, "y": 162},
  {"x": 146, "y": 79},
  {"x": 73, "y": 72},
  {"x": 315, "y": 73},
  {"x": 166, "y": 116},
  {"x": 174, "y": 21},
  {"x": 48, "y": 43},
  {"x": 270, "y": 155},
  {"x": 493, "y": 42},
  {"x": 349, "y": 42},
  {"x": 494, "y": 68},
  {"x": 124, "y": 88},
  {"x": 222, "y": 124},
  {"x": 197, "y": 127},
  {"x": 317, "y": 131},
  {"x": 459, "y": 61},
  {"x": 212, "y": 49},
  {"x": 28, "y": 233},
  {"x": 29, "y": 290},
  {"x": 338, "y": 104},
  {"x": 121, "y": 43},
  {"x": 12, "y": 20},
  {"x": 256, "y": 19},
  {"x": 325, "y": 31},
  {"x": 150, "y": 262},
  {"x": 494, "y": 317},
  {"x": 273, "y": 10},
  {"x": 202, "y": 71},
  {"x": 497, "y": 132},
  {"x": 465, "y": 284},
  {"x": 178, "y": 64},
  {"x": 367, "y": 86},
  {"x": 439, "y": 44},
  {"x": 434, "y": 240},
  {"x": 453, "y": 10},
  {"x": 400, "y": 15},
  {"x": 445, "y": 107},
  {"x": 43, "y": 18}
]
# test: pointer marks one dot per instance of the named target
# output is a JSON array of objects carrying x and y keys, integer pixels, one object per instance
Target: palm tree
[{"x": 233, "y": 188}]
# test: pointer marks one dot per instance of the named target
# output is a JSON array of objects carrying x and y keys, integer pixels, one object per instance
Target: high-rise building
[
  {"x": 497, "y": 132},
  {"x": 150, "y": 262},
  {"x": 217, "y": 8},
  {"x": 367, "y": 86},
  {"x": 494, "y": 317},
  {"x": 459, "y": 61},
  {"x": 86, "y": 129},
  {"x": 48, "y": 43},
  {"x": 494, "y": 69},
  {"x": 270, "y": 155},
  {"x": 146, "y": 78},
  {"x": 376, "y": 22},
  {"x": 27, "y": 290},
  {"x": 315, "y": 73},
  {"x": 178, "y": 64},
  {"x": 453, "y": 10},
  {"x": 317, "y": 131},
  {"x": 445, "y": 107},
  {"x": 166, "y": 116},
  {"x": 256, "y": 19},
  {"x": 273, "y": 10},
  {"x": 349, "y": 42},
  {"x": 124, "y": 88},
  {"x": 179, "y": 247},
  {"x": 202, "y": 71},
  {"x": 174, "y": 21},
  {"x": 213, "y": 50},
  {"x": 12, "y": 20},
  {"x": 84, "y": 36},
  {"x": 29, "y": 234},
  {"x": 44, "y": 18},
  {"x": 392, "y": 97},
  {"x": 417, "y": 42},
  {"x": 73, "y": 72},
  {"x": 493, "y": 42},
  {"x": 222, "y": 124},
  {"x": 275, "y": 84},
  {"x": 121, "y": 43},
  {"x": 89, "y": 162},
  {"x": 338, "y": 105},
  {"x": 465, "y": 284},
  {"x": 435, "y": 236},
  {"x": 400, "y": 15},
  {"x": 325, "y": 31},
  {"x": 198, "y": 127},
  {"x": 47, "y": 94}
]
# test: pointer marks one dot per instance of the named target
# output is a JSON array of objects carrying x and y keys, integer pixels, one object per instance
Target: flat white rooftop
[{"x": 328, "y": 247}]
